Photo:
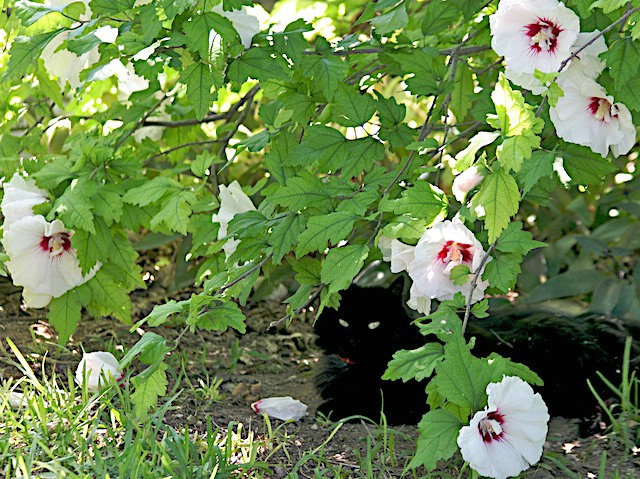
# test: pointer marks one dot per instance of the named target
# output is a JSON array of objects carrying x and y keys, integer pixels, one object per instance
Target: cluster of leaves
[{"x": 338, "y": 138}]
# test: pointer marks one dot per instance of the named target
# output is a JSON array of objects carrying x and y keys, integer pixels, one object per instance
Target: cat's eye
[
  {"x": 343, "y": 323},
  {"x": 373, "y": 325}
]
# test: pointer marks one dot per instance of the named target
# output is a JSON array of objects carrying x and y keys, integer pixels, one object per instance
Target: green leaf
[
  {"x": 325, "y": 71},
  {"x": 148, "y": 390},
  {"x": 466, "y": 157},
  {"x": 419, "y": 63},
  {"x": 439, "y": 16},
  {"x": 324, "y": 229},
  {"x": 503, "y": 270},
  {"x": 516, "y": 149},
  {"x": 218, "y": 317},
  {"x": 540, "y": 165},
  {"x": 439, "y": 431},
  {"x": 74, "y": 207},
  {"x": 307, "y": 270},
  {"x": 422, "y": 200},
  {"x": 395, "y": 19},
  {"x": 109, "y": 298},
  {"x": 415, "y": 364},
  {"x": 460, "y": 274},
  {"x": 514, "y": 240},
  {"x": 623, "y": 59},
  {"x": 175, "y": 212},
  {"x": 259, "y": 63},
  {"x": 517, "y": 369},
  {"x": 151, "y": 191},
  {"x": 65, "y": 313},
  {"x": 24, "y": 50},
  {"x": 105, "y": 8},
  {"x": 200, "y": 78},
  {"x": 161, "y": 312},
  {"x": 342, "y": 265},
  {"x": 629, "y": 91},
  {"x": 285, "y": 235},
  {"x": 585, "y": 167},
  {"x": 92, "y": 248},
  {"x": 461, "y": 96},
  {"x": 500, "y": 198},
  {"x": 564, "y": 285},
  {"x": 352, "y": 107},
  {"x": 30, "y": 12},
  {"x": 513, "y": 115},
  {"x": 151, "y": 348}
]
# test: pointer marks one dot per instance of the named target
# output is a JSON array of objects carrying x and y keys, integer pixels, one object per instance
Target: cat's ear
[{"x": 399, "y": 284}]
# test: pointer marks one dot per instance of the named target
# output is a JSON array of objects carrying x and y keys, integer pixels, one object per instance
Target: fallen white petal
[{"x": 285, "y": 408}]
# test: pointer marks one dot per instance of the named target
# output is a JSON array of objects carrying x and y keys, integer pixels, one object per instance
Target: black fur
[{"x": 563, "y": 350}]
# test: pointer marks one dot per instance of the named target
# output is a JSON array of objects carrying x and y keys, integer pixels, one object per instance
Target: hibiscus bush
[{"x": 298, "y": 146}]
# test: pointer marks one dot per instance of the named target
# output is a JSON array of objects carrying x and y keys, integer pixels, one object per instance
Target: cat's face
[{"x": 370, "y": 325}]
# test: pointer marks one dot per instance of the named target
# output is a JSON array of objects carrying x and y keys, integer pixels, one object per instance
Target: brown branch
[
  {"x": 474, "y": 284},
  {"x": 369, "y": 51},
  {"x": 179, "y": 147},
  {"x": 140, "y": 123},
  {"x": 276, "y": 324}
]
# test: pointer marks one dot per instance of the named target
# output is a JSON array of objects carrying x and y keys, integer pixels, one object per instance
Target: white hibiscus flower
[
  {"x": 586, "y": 115},
  {"x": 586, "y": 63},
  {"x": 506, "y": 438},
  {"x": 97, "y": 367},
  {"x": 42, "y": 260},
  {"x": 441, "y": 248},
  {"x": 20, "y": 196},
  {"x": 533, "y": 35},
  {"x": 232, "y": 201}
]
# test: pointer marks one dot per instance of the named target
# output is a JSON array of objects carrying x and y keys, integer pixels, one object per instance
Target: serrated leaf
[
  {"x": 439, "y": 431},
  {"x": 65, "y": 313},
  {"x": 218, "y": 316},
  {"x": 564, "y": 285},
  {"x": 308, "y": 270},
  {"x": 200, "y": 78},
  {"x": 110, "y": 7},
  {"x": 92, "y": 248},
  {"x": 460, "y": 274},
  {"x": 623, "y": 59},
  {"x": 342, "y": 265},
  {"x": 517, "y": 369},
  {"x": 199, "y": 28},
  {"x": 439, "y": 16},
  {"x": 151, "y": 191},
  {"x": 503, "y": 270},
  {"x": 352, "y": 107},
  {"x": 30, "y": 12},
  {"x": 500, "y": 198},
  {"x": 324, "y": 229},
  {"x": 285, "y": 235},
  {"x": 466, "y": 157},
  {"x": 514, "y": 240},
  {"x": 261, "y": 64},
  {"x": 326, "y": 72},
  {"x": 109, "y": 298},
  {"x": 107, "y": 204},
  {"x": 608, "y": 6},
  {"x": 75, "y": 207},
  {"x": 415, "y": 364},
  {"x": 540, "y": 165},
  {"x": 148, "y": 390},
  {"x": 585, "y": 167},
  {"x": 462, "y": 87},
  {"x": 151, "y": 348},
  {"x": 391, "y": 21},
  {"x": 516, "y": 149},
  {"x": 161, "y": 312},
  {"x": 419, "y": 63},
  {"x": 513, "y": 115},
  {"x": 175, "y": 212},
  {"x": 23, "y": 52},
  {"x": 422, "y": 200}
]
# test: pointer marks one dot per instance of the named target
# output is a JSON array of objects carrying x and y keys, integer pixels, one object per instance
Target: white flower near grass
[
  {"x": 97, "y": 367},
  {"x": 533, "y": 35},
  {"x": 506, "y": 437},
  {"x": 588, "y": 116},
  {"x": 284, "y": 408},
  {"x": 441, "y": 248},
  {"x": 41, "y": 259},
  {"x": 465, "y": 182},
  {"x": 232, "y": 201},
  {"x": 246, "y": 25},
  {"x": 586, "y": 63},
  {"x": 20, "y": 196}
]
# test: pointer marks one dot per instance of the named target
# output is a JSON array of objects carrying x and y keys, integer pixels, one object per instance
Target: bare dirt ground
[{"x": 261, "y": 364}]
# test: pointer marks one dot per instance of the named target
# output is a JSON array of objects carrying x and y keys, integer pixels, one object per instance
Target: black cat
[
  {"x": 360, "y": 339},
  {"x": 372, "y": 323}
]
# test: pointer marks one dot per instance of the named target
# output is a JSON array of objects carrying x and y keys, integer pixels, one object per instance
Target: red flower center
[
  {"x": 602, "y": 109},
  {"x": 543, "y": 35},
  {"x": 56, "y": 244},
  {"x": 490, "y": 428},
  {"x": 456, "y": 252}
]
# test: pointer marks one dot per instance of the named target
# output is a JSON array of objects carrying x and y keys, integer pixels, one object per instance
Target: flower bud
[{"x": 465, "y": 182}]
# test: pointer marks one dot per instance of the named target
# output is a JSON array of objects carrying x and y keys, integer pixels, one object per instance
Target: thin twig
[
  {"x": 140, "y": 122},
  {"x": 275, "y": 324},
  {"x": 474, "y": 284},
  {"x": 179, "y": 147}
]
